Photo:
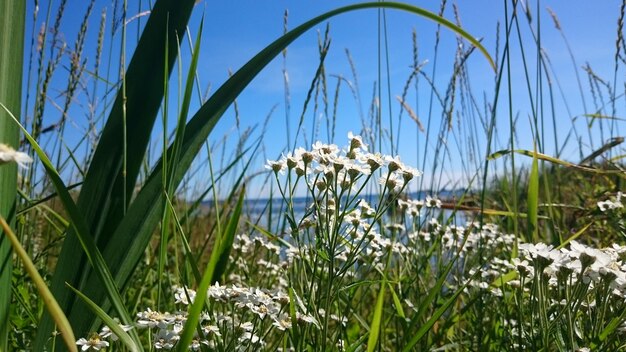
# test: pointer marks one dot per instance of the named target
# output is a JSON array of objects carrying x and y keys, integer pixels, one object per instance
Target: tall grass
[
  {"x": 12, "y": 16},
  {"x": 110, "y": 224}
]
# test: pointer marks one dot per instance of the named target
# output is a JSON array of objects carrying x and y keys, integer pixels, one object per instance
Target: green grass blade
[
  {"x": 294, "y": 317},
  {"x": 396, "y": 302},
  {"x": 227, "y": 243},
  {"x": 433, "y": 319},
  {"x": 12, "y": 15},
  {"x": 62, "y": 324},
  {"x": 188, "y": 253},
  {"x": 123, "y": 336},
  {"x": 221, "y": 249},
  {"x": 107, "y": 187},
  {"x": 80, "y": 229},
  {"x": 372, "y": 340},
  {"x": 533, "y": 199}
]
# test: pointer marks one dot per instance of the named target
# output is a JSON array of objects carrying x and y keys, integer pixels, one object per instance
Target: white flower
[
  {"x": 8, "y": 154},
  {"x": 322, "y": 149},
  {"x": 276, "y": 166},
  {"x": 306, "y": 318},
  {"x": 432, "y": 202},
  {"x": 609, "y": 205},
  {"x": 374, "y": 161},
  {"x": 184, "y": 295},
  {"x": 537, "y": 250},
  {"x": 356, "y": 142},
  {"x": 106, "y": 331},
  {"x": 409, "y": 173},
  {"x": 165, "y": 339},
  {"x": 211, "y": 329},
  {"x": 150, "y": 318},
  {"x": 94, "y": 343},
  {"x": 392, "y": 182},
  {"x": 282, "y": 323}
]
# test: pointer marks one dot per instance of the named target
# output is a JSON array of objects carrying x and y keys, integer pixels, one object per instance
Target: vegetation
[{"x": 112, "y": 241}]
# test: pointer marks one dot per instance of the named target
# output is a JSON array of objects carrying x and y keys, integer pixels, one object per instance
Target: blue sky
[{"x": 236, "y": 30}]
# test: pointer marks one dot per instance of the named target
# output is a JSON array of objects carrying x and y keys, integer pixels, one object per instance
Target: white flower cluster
[
  {"x": 579, "y": 262},
  {"x": 326, "y": 166}
]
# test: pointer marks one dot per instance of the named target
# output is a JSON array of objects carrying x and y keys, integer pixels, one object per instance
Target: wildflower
[
  {"x": 394, "y": 163},
  {"x": 541, "y": 252},
  {"x": 106, "y": 331},
  {"x": 356, "y": 142},
  {"x": 150, "y": 318},
  {"x": 366, "y": 210},
  {"x": 196, "y": 344},
  {"x": 8, "y": 154},
  {"x": 282, "y": 323},
  {"x": 211, "y": 329},
  {"x": 392, "y": 182},
  {"x": 609, "y": 205},
  {"x": 165, "y": 339},
  {"x": 276, "y": 166},
  {"x": 322, "y": 152},
  {"x": 252, "y": 338},
  {"x": 184, "y": 295},
  {"x": 409, "y": 173},
  {"x": 374, "y": 161},
  {"x": 306, "y": 318},
  {"x": 432, "y": 202},
  {"x": 94, "y": 343}
]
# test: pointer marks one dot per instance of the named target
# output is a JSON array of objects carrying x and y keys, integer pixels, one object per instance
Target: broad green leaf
[
  {"x": 293, "y": 316},
  {"x": 503, "y": 279},
  {"x": 12, "y": 15},
  {"x": 113, "y": 171}
]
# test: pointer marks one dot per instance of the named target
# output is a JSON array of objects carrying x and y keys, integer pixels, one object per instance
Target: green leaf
[
  {"x": 12, "y": 15},
  {"x": 220, "y": 250},
  {"x": 533, "y": 199},
  {"x": 396, "y": 302},
  {"x": 227, "y": 243},
  {"x": 433, "y": 319},
  {"x": 63, "y": 325},
  {"x": 123, "y": 336},
  {"x": 112, "y": 174},
  {"x": 503, "y": 279},
  {"x": 372, "y": 340},
  {"x": 80, "y": 229}
]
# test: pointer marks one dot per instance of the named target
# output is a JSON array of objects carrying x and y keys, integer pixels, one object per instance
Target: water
[{"x": 259, "y": 208}]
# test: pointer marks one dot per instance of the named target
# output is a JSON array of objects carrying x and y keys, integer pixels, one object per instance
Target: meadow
[{"x": 498, "y": 224}]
